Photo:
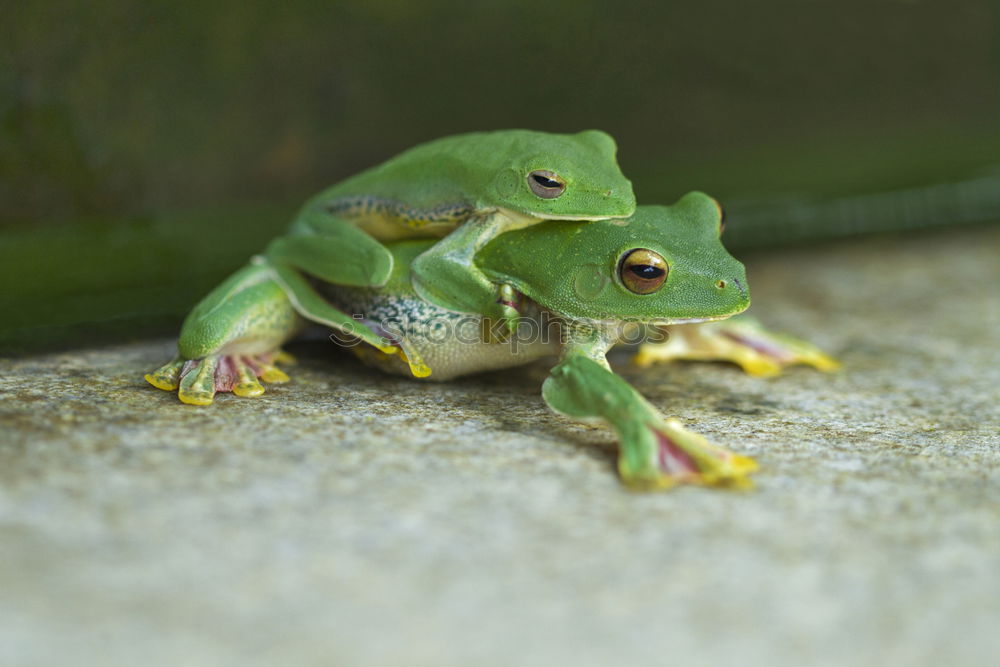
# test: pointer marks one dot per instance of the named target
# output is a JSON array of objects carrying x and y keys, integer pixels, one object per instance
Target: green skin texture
[
  {"x": 577, "y": 277},
  {"x": 468, "y": 188},
  {"x": 548, "y": 263}
]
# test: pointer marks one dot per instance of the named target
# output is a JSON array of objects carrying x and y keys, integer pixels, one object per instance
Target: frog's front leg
[
  {"x": 654, "y": 452},
  {"x": 447, "y": 276},
  {"x": 230, "y": 339},
  {"x": 741, "y": 340}
]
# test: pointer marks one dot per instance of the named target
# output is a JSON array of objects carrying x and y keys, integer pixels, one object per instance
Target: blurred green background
[{"x": 147, "y": 148}]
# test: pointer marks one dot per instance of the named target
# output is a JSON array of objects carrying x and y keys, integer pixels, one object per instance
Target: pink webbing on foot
[
  {"x": 225, "y": 374},
  {"x": 188, "y": 366},
  {"x": 673, "y": 460},
  {"x": 761, "y": 346},
  {"x": 253, "y": 364}
]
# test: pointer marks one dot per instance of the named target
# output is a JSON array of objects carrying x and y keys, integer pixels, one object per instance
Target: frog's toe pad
[
  {"x": 198, "y": 380},
  {"x": 167, "y": 377}
]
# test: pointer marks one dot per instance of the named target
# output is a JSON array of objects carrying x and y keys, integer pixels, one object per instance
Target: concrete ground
[{"x": 350, "y": 518}]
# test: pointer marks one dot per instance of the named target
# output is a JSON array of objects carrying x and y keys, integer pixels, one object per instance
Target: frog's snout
[
  {"x": 622, "y": 201},
  {"x": 731, "y": 286}
]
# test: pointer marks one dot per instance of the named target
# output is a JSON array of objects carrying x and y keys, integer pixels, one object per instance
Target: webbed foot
[
  {"x": 198, "y": 380},
  {"x": 741, "y": 340},
  {"x": 681, "y": 456}
]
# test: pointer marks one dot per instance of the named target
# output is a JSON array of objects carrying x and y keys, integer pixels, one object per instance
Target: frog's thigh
[
  {"x": 247, "y": 314},
  {"x": 339, "y": 253}
]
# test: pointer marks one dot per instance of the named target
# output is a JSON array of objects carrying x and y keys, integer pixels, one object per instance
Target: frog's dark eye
[
  {"x": 642, "y": 271},
  {"x": 546, "y": 184}
]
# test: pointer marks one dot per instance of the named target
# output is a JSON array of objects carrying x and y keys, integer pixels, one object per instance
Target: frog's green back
[
  {"x": 486, "y": 170},
  {"x": 573, "y": 268}
]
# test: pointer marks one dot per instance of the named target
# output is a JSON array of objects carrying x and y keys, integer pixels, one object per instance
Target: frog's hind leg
[
  {"x": 334, "y": 250},
  {"x": 231, "y": 340},
  {"x": 741, "y": 340},
  {"x": 310, "y": 304}
]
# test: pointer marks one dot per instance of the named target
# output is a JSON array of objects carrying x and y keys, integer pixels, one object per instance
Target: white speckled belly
[{"x": 449, "y": 343}]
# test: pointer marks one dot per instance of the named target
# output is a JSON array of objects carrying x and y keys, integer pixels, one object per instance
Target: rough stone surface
[{"x": 350, "y": 518}]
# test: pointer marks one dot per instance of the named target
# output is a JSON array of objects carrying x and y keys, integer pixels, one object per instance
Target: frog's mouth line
[
  {"x": 689, "y": 320},
  {"x": 663, "y": 322},
  {"x": 571, "y": 218}
]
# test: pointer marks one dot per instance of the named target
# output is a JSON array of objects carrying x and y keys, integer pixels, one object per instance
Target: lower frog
[{"x": 581, "y": 288}]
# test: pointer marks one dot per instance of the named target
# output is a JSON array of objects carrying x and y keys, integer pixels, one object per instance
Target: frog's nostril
[
  {"x": 721, "y": 284},
  {"x": 608, "y": 193}
]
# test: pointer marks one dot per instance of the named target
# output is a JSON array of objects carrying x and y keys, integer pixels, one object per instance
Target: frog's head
[
  {"x": 665, "y": 264},
  {"x": 560, "y": 176}
]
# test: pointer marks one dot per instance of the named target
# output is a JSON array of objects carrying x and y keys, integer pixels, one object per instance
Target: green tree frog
[
  {"x": 581, "y": 288},
  {"x": 467, "y": 188}
]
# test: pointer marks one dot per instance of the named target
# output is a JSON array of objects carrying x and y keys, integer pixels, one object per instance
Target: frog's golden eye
[
  {"x": 546, "y": 184},
  {"x": 643, "y": 271}
]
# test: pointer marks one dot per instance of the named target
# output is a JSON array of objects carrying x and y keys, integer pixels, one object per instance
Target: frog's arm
[
  {"x": 654, "y": 452},
  {"x": 231, "y": 339},
  {"x": 741, "y": 340},
  {"x": 446, "y": 274}
]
